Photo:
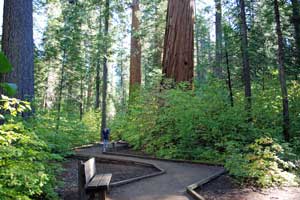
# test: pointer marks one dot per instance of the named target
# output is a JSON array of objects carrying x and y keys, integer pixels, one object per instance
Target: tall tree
[
  {"x": 105, "y": 70},
  {"x": 17, "y": 45},
  {"x": 178, "y": 62},
  {"x": 98, "y": 81},
  {"x": 135, "y": 57},
  {"x": 245, "y": 55},
  {"x": 282, "y": 78},
  {"x": 296, "y": 22},
  {"x": 218, "y": 64}
]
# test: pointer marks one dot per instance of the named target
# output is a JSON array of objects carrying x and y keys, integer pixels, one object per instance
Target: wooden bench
[{"x": 90, "y": 183}]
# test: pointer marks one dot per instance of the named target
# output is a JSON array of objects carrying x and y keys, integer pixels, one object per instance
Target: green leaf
[
  {"x": 5, "y": 65},
  {"x": 9, "y": 88}
]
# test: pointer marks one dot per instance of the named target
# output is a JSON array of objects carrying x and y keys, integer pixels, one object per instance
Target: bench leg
[{"x": 102, "y": 195}]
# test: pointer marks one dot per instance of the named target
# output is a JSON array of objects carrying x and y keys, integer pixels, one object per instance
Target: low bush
[
  {"x": 25, "y": 168},
  {"x": 261, "y": 163}
]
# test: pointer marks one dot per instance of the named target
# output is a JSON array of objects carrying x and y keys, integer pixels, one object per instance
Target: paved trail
[{"x": 169, "y": 186}]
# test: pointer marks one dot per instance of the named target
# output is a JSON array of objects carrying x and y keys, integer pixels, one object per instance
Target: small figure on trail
[{"x": 105, "y": 136}]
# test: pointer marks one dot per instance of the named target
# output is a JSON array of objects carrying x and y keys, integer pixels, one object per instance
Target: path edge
[
  {"x": 163, "y": 159},
  {"x": 191, "y": 188},
  {"x": 127, "y": 181}
]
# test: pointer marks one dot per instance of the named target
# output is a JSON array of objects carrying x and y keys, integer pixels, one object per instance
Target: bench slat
[
  {"x": 100, "y": 181},
  {"x": 105, "y": 180}
]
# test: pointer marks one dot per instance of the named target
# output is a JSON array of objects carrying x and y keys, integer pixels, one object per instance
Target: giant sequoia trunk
[
  {"x": 135, "y": 57},
  {"x": 17, "y": 45},
  {"x": 178, "y": 63},
  {"x": 284, "y": 93},
  {"x": 218, "y": 65},
  {"x": 296, "y": 22},
  {"x": 105, "y": 70},
  {"x": 245, "y": 55}
]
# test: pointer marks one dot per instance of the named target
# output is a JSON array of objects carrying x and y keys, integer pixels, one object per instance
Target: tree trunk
[
  {"x": 178, "y": 62},
  {"x": 245, "y": 55},
  {"x": 284, "y": 93},
  {"x": 98, "y": 81},
  {"x": 135, "y": 53},
  {"x": 296, "y": 22},
  {"x": 218, "y": 64},
  {"x": 60, "y": 90},
  {"x": 17, "y": 45},
  {"x": 81, "y": 108},
  {"x": 229, "y": 82},
  {"x": 105, "y": 70}
]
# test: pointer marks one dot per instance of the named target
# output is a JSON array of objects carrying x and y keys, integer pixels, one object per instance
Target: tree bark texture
[
  {"x": 282, "y": 78},
  {"x": 178, "y": 62},
  {"x": 245, "y": 56},
  {"x": 98, "y": 81},
  {"x": 105, "y": 70},
  {"x": 17, "y": 45},
  {"x": 135, "y": 52},
  {"x": 218, "y": 64}
]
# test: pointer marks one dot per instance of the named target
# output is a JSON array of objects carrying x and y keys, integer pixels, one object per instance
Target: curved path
[{"x": 169, "y": 186}]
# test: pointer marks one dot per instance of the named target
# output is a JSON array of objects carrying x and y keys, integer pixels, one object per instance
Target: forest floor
[
  {"x": 169, "y": 186},
  {"x": 225, "y": 188}
]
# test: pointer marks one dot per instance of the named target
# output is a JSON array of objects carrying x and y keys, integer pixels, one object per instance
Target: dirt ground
[{"x": 224, "y": 188}]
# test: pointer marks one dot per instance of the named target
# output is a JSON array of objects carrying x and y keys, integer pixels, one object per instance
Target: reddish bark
[
  {"x": 135, "y": 57},
  {"x": 178, "y": 62}
]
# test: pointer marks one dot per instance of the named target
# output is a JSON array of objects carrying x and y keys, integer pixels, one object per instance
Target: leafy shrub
[
  {"x": 25, "y": 171},
  {"x": 202, "y": 125},
  {"x": 72, "y": 132},
  {"x": 261, "y": 164}
]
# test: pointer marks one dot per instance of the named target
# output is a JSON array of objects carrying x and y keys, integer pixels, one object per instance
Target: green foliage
[
  {"x": 261, "y": 163},
  {"x": 72, "y": 131},
  {"x": 25, "y": 171},
  {"x": 5, "y": 65},
  {"x": 202, "y": 125}
]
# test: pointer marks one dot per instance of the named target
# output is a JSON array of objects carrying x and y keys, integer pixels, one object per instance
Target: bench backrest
[{"x": 89, "y": 169}]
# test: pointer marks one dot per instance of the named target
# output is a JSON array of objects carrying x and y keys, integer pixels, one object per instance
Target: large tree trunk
[
  {"x": 245, "y": 55},
  {"x": 178, "y": 62},
  {"x": 105, "y": 70},
  {"x": 17, "y": 45},
  {"x": 296, "y": 22},
  {"x": 98, "y": 81},
  {"x": 135, "y": 53},
  {"x": 218, "y": 65},
  {"x": 284, "y": 93}
]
